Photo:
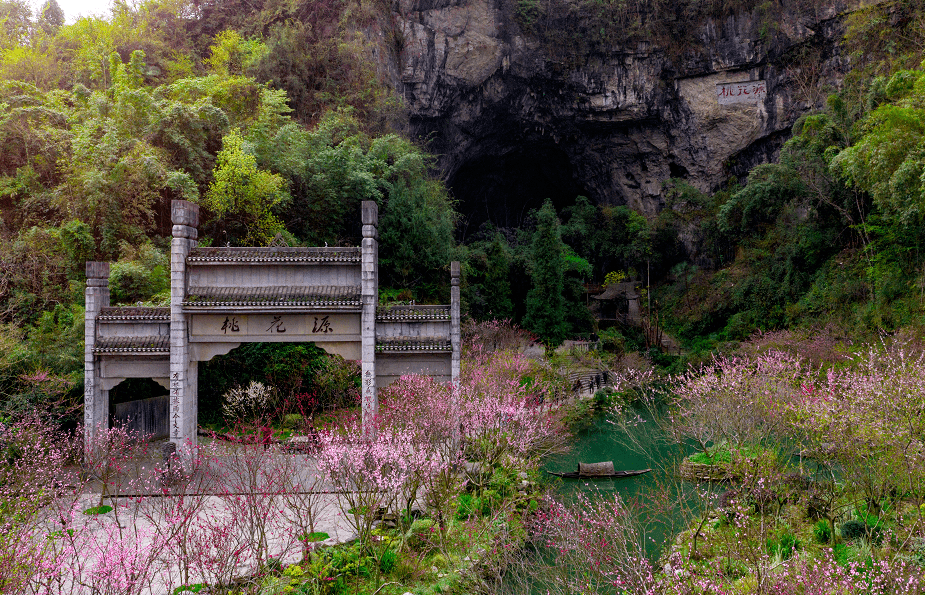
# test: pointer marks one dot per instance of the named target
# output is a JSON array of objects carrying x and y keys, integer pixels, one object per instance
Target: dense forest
[{"x": 280, "y": 120}]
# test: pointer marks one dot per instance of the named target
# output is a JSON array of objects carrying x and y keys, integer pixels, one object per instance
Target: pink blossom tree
[
  {"x": 499, "y": 411},
  {"x": 425, "y": 411},
  {"x": 371, "y": 472},
  {"x": 867, "y": 419},
  {"x": 36, "y": 473},
  {"x": 597, "y": 546}
]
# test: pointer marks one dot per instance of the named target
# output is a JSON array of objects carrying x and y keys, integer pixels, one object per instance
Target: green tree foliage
[
  {"x": 317, "y": 52},
  {"x": 141, "y": 275},
  {"x": 81, "y": 50},
  {"x": 546, "y": 312},
  {"x": 486, "y": 289},
  {"x": 885, "y": 36},
  {"x": 610, "y": 238},
  {"x": 233, "y": 55},
  {"x": 243, "y": 197},
  {"x": 55, "y": 342},
  {"x": 42, "y": 267},
  {"x": 52, "y": 17},
  {"x": 757, "y": 205},
  {"x": 16, "y": 24},
  {"x": 335, "y": 166},
  {"x": 417, "y": 237},
  {"x": 784, "y": 235},
  {"x": 132, "y": 151},
  {"x": 888, "y": 159},
  {"x": 320, "y": 66}
]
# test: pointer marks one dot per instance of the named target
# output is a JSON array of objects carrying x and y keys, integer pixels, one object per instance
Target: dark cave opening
[{"x": 503, "y": 189}]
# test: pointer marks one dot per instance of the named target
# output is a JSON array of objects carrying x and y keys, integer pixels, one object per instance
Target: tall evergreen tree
[
  {"x": 545, "y": 303},
  {"x": 498, "y": 279}
]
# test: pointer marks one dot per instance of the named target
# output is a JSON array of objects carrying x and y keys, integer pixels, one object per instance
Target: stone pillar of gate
[
  {"x": 456, "y": 345},
  {"x": 455, "y": 333},
  {"x": 183, "y": 376},
  {"x": 96, "y": 398},
  {"x": 369, "y": 299}
]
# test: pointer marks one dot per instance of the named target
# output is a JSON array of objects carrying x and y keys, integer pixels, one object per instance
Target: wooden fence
[{"x": 147, "y": 416}]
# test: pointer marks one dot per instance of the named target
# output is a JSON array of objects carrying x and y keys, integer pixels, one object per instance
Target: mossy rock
[
  {"x": 420, "y": 534},
  {"x": 291, "y": 421},
  {"x": 313, "y": 537},
  {"x": 700, "y": 472}
]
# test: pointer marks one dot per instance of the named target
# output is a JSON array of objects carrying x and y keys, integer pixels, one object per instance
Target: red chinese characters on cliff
[{"x": 745, "y": 92}]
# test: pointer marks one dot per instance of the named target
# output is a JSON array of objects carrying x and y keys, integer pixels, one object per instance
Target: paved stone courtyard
[{"x": 138, "y": 516}]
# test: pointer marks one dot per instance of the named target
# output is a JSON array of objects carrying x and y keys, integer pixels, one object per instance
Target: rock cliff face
[{"x": 511, "y": 125}]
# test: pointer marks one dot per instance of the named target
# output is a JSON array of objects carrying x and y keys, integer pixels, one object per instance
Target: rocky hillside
[{"x": 516, "y": 113}]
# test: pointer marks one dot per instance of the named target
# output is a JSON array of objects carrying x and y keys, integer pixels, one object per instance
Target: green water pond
[{"x": 600, "y": 441}]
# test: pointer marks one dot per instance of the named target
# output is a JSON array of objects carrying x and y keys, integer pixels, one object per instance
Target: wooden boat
[{"x": 598, "y": 471}]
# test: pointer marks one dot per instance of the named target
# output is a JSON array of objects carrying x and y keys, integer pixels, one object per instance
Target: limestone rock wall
[{"x": 479, "y": 89}]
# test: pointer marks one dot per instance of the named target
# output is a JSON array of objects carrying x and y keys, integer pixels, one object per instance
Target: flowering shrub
[
  {"x": 737, "y": 401},
  {"x": 248, "y": 403},
  {"x": 498, "y": 411},
  {"x": 597, "y": 546},
  {"x": 425, "y": 410},
  {"x": 868, "y": 419},
  {"x": 373, "y": 471},
  {"x": 495, "y": 335},
  {"x": 35, "y": 471}
]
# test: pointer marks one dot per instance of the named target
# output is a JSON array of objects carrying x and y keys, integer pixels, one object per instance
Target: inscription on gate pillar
[
  {"x": 175, "y": 389},
  {"x": 369, "y": 295},
  {"x": 185, "y": 218}
]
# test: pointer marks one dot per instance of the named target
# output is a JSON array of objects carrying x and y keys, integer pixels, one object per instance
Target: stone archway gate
[{"x": 222, "y": 297}]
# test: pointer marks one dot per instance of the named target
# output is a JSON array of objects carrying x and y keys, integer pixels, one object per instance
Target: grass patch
[
  {"x": 721, "y": 454},
  {"x": 313, "y": 537},
  {"x": 98, "y": 510}
]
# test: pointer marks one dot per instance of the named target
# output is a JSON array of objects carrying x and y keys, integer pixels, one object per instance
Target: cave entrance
[{"x": 503, "y": 188}]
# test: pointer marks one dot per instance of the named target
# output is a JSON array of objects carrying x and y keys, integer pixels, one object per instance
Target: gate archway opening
[{"x": 303, "y": 378}]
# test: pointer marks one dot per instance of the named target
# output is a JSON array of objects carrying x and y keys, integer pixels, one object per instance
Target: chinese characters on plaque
[
  {"x": 322, "y": 326},
  {"x": 745, "y": 92},
  {"x": 230, "y": 324},
  {"x": 275, "y": 327}
]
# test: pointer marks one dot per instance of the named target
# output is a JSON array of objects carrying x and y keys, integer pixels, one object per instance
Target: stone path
[{"x": 137, "y": 518}]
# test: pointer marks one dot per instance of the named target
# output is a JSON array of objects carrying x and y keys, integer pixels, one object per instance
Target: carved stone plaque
[
  {"x": 744, "y": 92},
  {"x": 275, "y": 327}
]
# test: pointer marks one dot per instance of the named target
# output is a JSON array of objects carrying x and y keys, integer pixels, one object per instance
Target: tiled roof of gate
[
  {"x": 273, "y": 255},
  {"x": 413, "y": 313},
  {"x": 339, "y": 296},
  {"x": 413, "y": 345},
  {"x": 143, "y": 345},
  {"x": 134, "y": 314}
]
